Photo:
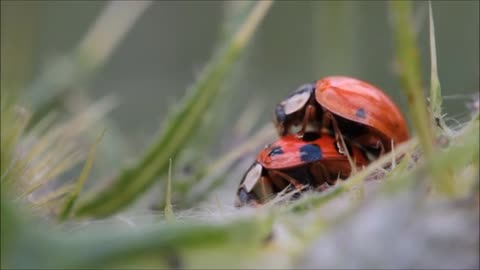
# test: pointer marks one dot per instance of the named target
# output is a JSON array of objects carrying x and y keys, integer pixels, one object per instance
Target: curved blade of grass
[
  {"x": 13, "y": 122},
  {"x": 206, "y": 178},
  {"x": 53, "y": 152},
  {"x": 454, "y": 159},
  {"x": 180, "y": 126},
  {"x": 245, "y": 234},
  {"x": 214, "y": 174},
  {"x": 407, "y": 56},
  {"x": 52, "y": 196},
  {"x": 47, "y": 92},
  {"x": 67, "y": 208}
]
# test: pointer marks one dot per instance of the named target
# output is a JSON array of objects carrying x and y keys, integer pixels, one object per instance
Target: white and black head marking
[
  {"x": 297, "y": 99},
  {"x": 294, "y": 103},
  {"x": 252, "y": 176},
  {"x": 243, "y": 197},
  {"x": 250, "y": 179}
]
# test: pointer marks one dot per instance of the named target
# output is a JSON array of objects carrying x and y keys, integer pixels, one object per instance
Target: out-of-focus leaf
[
  {"x": 435, "y": 90},
  {"x": 67, "y": 208},
  {"x": 407, "y": 57},
  {"x": 179, "y": 127}
]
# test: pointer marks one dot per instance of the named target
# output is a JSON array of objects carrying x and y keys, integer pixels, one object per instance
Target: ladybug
[
  {"x": 349, "y": 107},
  {"x": 312, "y": 161}
]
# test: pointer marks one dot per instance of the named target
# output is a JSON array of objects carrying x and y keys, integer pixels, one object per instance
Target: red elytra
[
  {"x": 312, "y": 161},
  {"x": 347, "y": 107},
  {"x": 363, "y": 103}
]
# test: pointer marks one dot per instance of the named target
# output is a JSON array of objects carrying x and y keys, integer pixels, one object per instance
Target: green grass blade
[
  {"x": 218, "y": 171},
  {"x": 407, "y": 57},
  {"x": 435, "y": 90},
  {"x": 54, "y": 195},
  {"x": 94, "y": 247},
  {"x": 13, "y": 122},
  {"x": 180, "y": 126},
  {"x": 453, "y": 160},
  {"x": 435, "y": 87},
  {"x": 67, "y": 208},
  {"x": 51, "y": 152},
  {"x": 168, "y": 210},
  {"x": 48, "y": 91},
  {"x": 244, "y": 234}
]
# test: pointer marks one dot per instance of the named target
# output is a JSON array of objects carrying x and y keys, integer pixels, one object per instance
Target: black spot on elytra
[
  {"x": 277, "y": 150},
  {"x": 310, "y": 152},
  {"x": 360, "y": 113},
  {"x": 310, "y": 136}
]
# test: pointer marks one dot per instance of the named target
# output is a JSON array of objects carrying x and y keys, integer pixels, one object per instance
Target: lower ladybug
[
  {"x": 313, "y": 161},
  {"x": 347, "y": 106}
]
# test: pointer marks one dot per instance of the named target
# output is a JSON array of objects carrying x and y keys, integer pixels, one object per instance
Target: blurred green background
[{"x": 298, "y": 42}]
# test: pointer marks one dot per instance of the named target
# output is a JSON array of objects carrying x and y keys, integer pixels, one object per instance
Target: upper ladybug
[{"x": 346, "y": 106}]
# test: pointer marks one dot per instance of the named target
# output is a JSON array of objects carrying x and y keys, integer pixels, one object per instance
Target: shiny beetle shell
[
  {"x": 362, "y": 112},
  {"x": 362, "y": 103}
]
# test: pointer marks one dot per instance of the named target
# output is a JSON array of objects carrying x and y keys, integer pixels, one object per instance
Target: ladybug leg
[
  {"x": 328, "y": 120},
  {"x": 321, "y": 175},
  {"x": 342, "y": 147},
  {"x": 309, "y": 114},
  {"x": 323, "y": 187},
  {"x": 372, "y": 143},
  {"x": 288, "y": 178},
  {"x": 266, "y": 188},
  {"x": 381, "y": 147},
  {"x": 277, "y": 181}
]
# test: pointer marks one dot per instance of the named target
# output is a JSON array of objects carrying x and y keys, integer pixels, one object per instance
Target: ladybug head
[
  {"x": 289, "y": 114},
  {"x": 246, "y": 191}
]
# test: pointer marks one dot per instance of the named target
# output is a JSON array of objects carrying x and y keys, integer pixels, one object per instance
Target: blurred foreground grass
[{"x": 422, "y": 213}]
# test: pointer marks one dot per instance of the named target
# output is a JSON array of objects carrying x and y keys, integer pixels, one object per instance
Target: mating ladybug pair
[{"x": 312, "y": 121}]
